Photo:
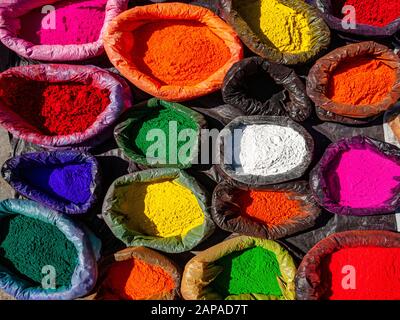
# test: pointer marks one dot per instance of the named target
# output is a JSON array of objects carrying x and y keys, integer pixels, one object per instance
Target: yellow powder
[
  {"x": 162, "y": 209},
  {"x": 285, "y": 28}
]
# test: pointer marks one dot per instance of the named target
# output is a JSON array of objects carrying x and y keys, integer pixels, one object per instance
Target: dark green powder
[
  {"x": 252, "y": 270},
  {"x": 27, "y": 245}
]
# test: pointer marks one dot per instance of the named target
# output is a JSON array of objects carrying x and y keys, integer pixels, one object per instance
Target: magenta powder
[
  {"x": 77, "y": 22},
  {"x": 363, "y": 178}
]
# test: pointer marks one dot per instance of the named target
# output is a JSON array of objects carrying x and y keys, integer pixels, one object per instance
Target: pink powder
[
  {"x": 363, "y": 178},
  {"x": 76, "y": 22}
]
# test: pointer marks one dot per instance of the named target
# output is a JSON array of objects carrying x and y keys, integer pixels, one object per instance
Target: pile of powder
[
  {"x": 371, "y": 12},
  {"x": 135, "y": 279},
  {"x": 76, "y": 22},
  {"x": 55, "y": 109},
  {"x": 361, "y": 81},
  {"x": 27, "y": 245},
  {"x": 376, "y": 274},
  {"x": 273, "y": 22},
  {"x": 162, "y": 209},
  {"x": 268, "y": 207},
  {"x": 362, "y": 178},
  {"x": 180, "y": 53},
  {"x": 252, "y": 270},
  {"x": 270, "y": 149},
  {"x": 70, "y": 182}
]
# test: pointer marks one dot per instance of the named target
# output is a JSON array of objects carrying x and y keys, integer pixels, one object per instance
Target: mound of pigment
[
  {"x": 370, "y": 12},
  {"x": 270, "y": 149},
  {"x": 55, "y": 109},
  {"x": 27, "y": 245},
  {"x": 135, "y": 279},
  {"x": 361, "y": 81},
  {"x": 362, "y": 178},
  {"x": 267, "y": 207},
  {"x": 376, "y": 274},
  {"x": 76, "y": 22},
  {"x": 162, "y": 209},
  {"x": 252, "y": 270},
  {"x": 179, "y": 53},
  {"x": 69, "y": 183},
  {"x": 276, "y": 23}
]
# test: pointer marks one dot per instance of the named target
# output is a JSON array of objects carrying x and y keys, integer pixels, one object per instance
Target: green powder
[
  {"x": 252, "y": 270},
  {"x": 27, "y": 245}
]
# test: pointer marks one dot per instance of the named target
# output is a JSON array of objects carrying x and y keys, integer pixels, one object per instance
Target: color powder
[
  {"x": 73, "y": 22},
  {"x": 361, "y": 81},
  {"x": 55, "y": 109},
  {"x": 27, "y": 245},
  {"x": 363, "y": 273},
  {"x": 268, "y": 207},
  {"x": 135, "y": 279},
  {"x": 362, "y": 178},
  {"x": 180, "y": 53},
  {"x": 275, "y": 23},
  {"x": 69, "y": 183},
  {"x": 162, "y": 209},
  {"x": 252, "y": 270},
  {"x": 371, "y": 12}
]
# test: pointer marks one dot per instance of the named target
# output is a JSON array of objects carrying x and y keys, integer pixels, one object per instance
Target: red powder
[
  {"x": 55, "y": 109},
  {"x": 377, "y": 273}
]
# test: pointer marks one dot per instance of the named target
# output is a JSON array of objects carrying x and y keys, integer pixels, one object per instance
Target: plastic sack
[
  {"x": 320, "y": 75},
  {"x": 99, "y": 131},
  {"x": 88, "y": 247},
  {"x": 115, "y": 217},
  {"x": 279, "y": 90},
  {"x": 118, "y": 41},
  {"x": 309, "y": 283},
  {"x": 201, "y": 270},
  {"x": 13, "y": 169}
]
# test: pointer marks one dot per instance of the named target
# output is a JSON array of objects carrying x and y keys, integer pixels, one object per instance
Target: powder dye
[
  {"x": 270, "y": 149},
  {"x": 180, "y": 53},
  {"x": 374, "y": 271},
  {"x": 76, "y": 22},
  {"x": 361, "y": 81},
  {"x": 268, "y": 207},
  {"x": 27, "y": 245},
  {"x": 252, "y": 270},
  {"x": 135, "y": 279},
  {"x": 162, "y": 209},
  {"x": 362, "y": 178},
  {"x": 69, "y": 183},
  {"x": 55, "y": 108},
  {"x": 273, "y": 22}
]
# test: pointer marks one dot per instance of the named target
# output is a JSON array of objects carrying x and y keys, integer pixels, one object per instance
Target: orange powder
[
  {"x": 178, "y": 52},
  {"x": 135, "y": 279},
  {"x": 268, "y": 207},
  {"x": 362, "y": 81}
]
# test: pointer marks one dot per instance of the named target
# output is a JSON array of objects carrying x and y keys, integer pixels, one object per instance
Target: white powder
[{"x": 270, "y": 149}]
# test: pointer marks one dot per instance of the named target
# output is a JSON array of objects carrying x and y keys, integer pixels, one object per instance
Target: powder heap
[
  {"x": 375, "y": 272},
  {"x": 361, "y": 81},
  {"x": 27, "y": 245},
  {"x": 270, "y": 149},
  {"x": 55, "y": 109},
  {"x": 69, "y": 183},
  {"x": 162, "y": 209},
  {"x": 135, "y": 279},
  {"x": 180, "y": 53},
  {"x": 268, "y": 207},
  {"x": 374, "y": 13},
  {"x": 362, "y": 178},
  {"x": 76, "y": 22},
  {"x": 273, "y": 22},
  {"x": 252, "y": 270}
]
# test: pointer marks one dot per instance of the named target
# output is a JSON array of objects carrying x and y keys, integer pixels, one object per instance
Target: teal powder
[{"x": 27, "y": 245}]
